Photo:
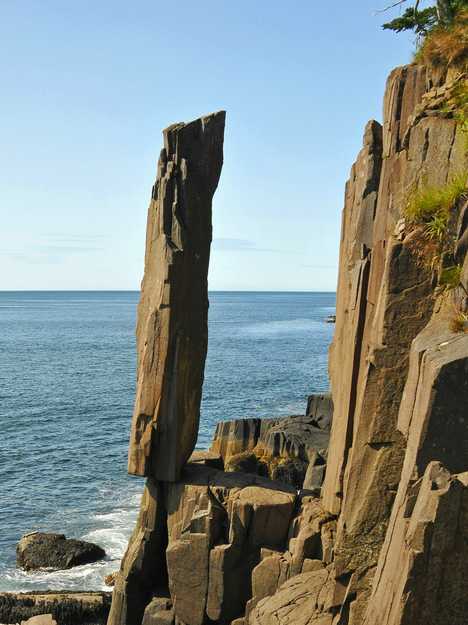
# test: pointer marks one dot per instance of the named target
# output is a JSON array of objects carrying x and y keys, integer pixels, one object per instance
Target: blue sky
[{"x": 87, "y": 87}]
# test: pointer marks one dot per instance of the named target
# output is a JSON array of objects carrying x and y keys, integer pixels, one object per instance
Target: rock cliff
[
  {"x": 384, "y": 541},
  {"x": 172, "y": 330}
]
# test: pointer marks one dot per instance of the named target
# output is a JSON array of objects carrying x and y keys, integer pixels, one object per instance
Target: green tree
[{"x": 441, "y": 13}]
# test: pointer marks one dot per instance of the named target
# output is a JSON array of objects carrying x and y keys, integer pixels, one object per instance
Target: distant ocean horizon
[{"x": 67, "y": 382}]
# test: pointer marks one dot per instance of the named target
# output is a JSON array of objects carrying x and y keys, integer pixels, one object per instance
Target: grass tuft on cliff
[
  {"x": 450, "y": 277},
  {"x": 459, "y": 322},
  {"x": 430, "y": 205},
  {"x": 441, "y": 31},
  {"x": 446, "y": 45}
]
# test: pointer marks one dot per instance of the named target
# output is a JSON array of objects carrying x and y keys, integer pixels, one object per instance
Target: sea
[{"x": 67, "y": 383}]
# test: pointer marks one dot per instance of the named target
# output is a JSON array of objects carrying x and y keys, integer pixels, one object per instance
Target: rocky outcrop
[
  {"x": 423, "y": 569},
  {"x": 200, "y": 539},
  {"x": 395, "y": 304},
  {"x": 384, "y": 540},
  {"x": 320, "y": 408},
  {"x": 283, "y": 448},
  {"x": 297, "y": 436},
  {"x": 66, "y": 608},
  {"x": 397, "y": 459},
  {"x": 172, "y": 328},
  {"x": 38, "y": 550},
  {"x": 236, "y": 436}
]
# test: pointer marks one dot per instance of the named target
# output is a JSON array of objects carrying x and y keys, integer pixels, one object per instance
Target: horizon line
[{"x": 139, "y": 290}]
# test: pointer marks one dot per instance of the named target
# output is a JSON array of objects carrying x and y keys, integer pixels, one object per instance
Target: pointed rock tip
[{"x": 204, "y": 119}]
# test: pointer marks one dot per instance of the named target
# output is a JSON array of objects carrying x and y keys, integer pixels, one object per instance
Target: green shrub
[
  {"x": 450, "y": 277},
  {"x": 459, "y": 322},
  {"x": 436, "y": 227}
]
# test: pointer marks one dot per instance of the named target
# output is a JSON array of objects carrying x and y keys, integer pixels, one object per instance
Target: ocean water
[{"x": 67, "y": 378}]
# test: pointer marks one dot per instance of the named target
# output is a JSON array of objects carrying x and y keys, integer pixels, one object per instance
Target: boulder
[
  {"x": 298, "y": 600},
  {"x": 172, "y": 326},
  {"x": 293, "y": 437},
  {"x": 320, "y": 408},
  {"x": 159, "y": 612},
  {"x": 38, "y": 550}
]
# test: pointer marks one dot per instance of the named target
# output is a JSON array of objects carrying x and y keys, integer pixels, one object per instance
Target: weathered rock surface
[
  {"x": 422, "y": 574},
  {"x": 172, "y": 328},
  {"x": 386, "y": 297},
  {"x": 293, "y": 437},
  {"x": 320, "y": 408},
  {"x": 159, "y": 612},
  {"x": 143, "y": 570},
  {"x": 282, "y": 447},
  {"x": 210, "y": 528},
  {"x": 66, "y": 608},
  {"x": 299, "y": 601},
  {"x": 398, "y": 455},
  {"x": 387, "y": 542},
  {"x": 422, "y": 577},
  {"x": 236, "y": 436},
  {"x": 43, "y": 619},
  {"x": 41, "y": 550},
  {"x": 289, "y": 437}
]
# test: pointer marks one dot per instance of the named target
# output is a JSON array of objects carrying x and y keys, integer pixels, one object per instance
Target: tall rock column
[
  {"x": 355, "y": 261},
  {"x": 172, "y": 329}
]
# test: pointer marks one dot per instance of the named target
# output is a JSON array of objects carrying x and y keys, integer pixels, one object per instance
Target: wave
[{"x": 111, "y": 531}]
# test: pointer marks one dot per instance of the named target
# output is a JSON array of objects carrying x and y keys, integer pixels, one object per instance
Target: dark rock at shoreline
[
  {"x": 40, "y": 550},
  {"x": 280, "y": 448},
  {"x": 66, "y": 608},
  {"x": 294, "y": 437},
  {"x": 320, "y": 408}
]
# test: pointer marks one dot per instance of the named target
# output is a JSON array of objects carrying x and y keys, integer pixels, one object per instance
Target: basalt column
[{"x": 172, "y": 332}]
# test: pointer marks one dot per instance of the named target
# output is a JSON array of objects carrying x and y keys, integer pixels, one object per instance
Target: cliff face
[
  {"x": 386, "y": 542},
  {"x": 380, "y": 321}
]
